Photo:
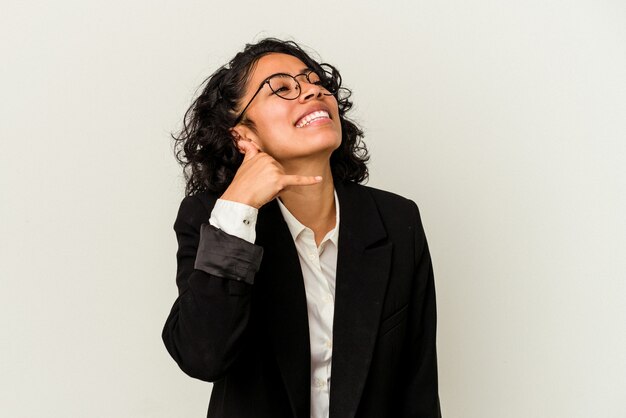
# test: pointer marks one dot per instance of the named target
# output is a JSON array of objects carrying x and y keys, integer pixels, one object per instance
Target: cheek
[
  {"x": 271, "y": 123},
  {"x": 272, "y": 134},
  {"x": 275, "y": 113}
]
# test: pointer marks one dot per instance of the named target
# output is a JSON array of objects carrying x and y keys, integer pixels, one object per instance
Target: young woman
[{"x": 301, "y": 292}]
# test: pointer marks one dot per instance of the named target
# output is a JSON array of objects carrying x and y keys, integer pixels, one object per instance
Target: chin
[
  {"x": 326, "y": 146},
  {"x": 326, "y": 139}
]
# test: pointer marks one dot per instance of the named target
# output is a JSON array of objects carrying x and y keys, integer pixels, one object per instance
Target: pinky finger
[{"x": 295, "y": 180}]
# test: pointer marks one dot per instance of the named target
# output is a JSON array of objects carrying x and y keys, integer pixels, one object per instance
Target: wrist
[{"x": 238, "y": 199}]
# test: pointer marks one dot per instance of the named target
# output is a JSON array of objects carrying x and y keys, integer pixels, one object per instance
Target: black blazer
[{"x": 240, "y": 319}]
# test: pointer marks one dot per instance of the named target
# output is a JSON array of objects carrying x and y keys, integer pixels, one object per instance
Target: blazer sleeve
[
  {"x": 420, "y": 395},
  {"x": 205, "y": 329}
]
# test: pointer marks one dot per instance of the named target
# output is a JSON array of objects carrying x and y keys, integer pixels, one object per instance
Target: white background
[{"x": 504, "y": 120}]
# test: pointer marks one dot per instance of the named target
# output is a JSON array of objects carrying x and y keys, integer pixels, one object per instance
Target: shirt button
[
  {"x": 318, "y": 383},
  {"x": 247, "y": 222},
  {"x": 329, "y": 344},
  {"x": 311, "y": 256}
]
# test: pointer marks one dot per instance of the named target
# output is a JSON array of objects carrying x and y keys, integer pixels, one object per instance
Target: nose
[{"x": 310, "y": 91}]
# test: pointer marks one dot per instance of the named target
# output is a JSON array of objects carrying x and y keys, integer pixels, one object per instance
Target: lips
[{"x": 311, "y": 117}]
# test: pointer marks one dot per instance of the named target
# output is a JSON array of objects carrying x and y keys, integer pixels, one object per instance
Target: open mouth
[{"x": 311, "y": 117}]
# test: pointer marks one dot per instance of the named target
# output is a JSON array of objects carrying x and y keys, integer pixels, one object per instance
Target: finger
[
  {"x": 295, "y": 180},
  {"x": 248, "y": 148}
]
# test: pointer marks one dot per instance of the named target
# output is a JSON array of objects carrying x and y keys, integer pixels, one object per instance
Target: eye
[
  {"x": 313, "y": 78},
  {"x": 282, "y": 89},
  {"x": 282, "y": 85},
  {"x": 325, "y": 80}
]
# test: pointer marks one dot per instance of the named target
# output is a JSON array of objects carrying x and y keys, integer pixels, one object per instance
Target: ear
[
  {"x": 243, "y": 133},
  {"x": 236, "y": 137}
]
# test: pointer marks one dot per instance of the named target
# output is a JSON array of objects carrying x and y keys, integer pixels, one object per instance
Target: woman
[{"x": 288, "y": 268}]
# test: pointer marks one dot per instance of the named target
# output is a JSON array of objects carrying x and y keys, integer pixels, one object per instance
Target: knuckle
[{"x": 279, "y": 183}]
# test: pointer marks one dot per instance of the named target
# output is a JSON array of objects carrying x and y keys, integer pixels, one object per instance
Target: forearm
[{"x": 206, "y": 326}]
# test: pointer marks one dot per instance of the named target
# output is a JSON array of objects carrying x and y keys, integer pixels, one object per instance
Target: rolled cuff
[
  {"x": 227, "y": 256},
  {"x": 235, "y": 218}
]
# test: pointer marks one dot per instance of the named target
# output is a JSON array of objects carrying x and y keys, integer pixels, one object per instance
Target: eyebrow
[{"x": 302, "y": 71}]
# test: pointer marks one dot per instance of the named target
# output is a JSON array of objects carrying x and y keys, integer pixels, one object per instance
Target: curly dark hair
[{"x": 205, "y": 146}]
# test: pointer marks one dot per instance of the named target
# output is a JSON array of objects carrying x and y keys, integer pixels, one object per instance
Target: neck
[{"x": 313, "y": 206}]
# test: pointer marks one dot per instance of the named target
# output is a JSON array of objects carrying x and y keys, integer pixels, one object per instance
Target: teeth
[{"x": 311, "y": 117}]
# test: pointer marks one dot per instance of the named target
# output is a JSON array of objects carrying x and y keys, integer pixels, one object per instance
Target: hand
[{"x": 260, "y": 178}]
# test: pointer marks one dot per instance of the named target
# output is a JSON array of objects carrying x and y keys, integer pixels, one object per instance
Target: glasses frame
[{"x": 299, "y": 87}]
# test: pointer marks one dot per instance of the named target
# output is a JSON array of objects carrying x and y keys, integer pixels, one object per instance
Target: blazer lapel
[
  {"x": 363, "y": 264},
  {"x": 284, "y": 299}
]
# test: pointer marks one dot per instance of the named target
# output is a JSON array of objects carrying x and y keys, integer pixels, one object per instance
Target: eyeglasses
[{"x": 286, "y": 86}]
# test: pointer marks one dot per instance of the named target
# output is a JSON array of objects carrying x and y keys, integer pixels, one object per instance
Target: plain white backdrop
[{"x": 504, "y": 120}]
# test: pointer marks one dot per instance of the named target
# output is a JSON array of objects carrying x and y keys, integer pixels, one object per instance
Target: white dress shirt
[{"x": 319, "y": 267}]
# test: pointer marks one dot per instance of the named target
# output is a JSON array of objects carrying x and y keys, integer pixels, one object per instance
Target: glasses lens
[
  {"x": 285, "y": 86},
  {"x": 313, "y": 78},
  {"x": 326, "y": 81}
]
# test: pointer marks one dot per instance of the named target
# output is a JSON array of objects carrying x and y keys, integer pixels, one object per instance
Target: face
[{"x": 288, "y": 130}]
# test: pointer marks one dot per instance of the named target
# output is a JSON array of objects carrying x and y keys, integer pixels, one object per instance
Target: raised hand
[{"x": 260, "y": 178}]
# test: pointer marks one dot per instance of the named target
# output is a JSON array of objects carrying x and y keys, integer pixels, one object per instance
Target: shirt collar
[{"x": 296, "y": 228}]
